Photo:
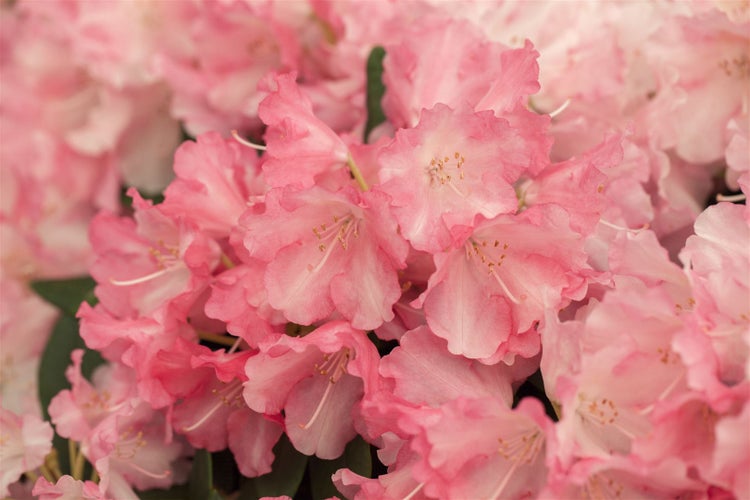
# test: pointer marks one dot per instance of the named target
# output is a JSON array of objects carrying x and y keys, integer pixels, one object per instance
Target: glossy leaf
[
  {"x": 284, "y": 478},
  {"x": 356, "y": 457},
  {"x": 375, "y": 90},
  {"x": 179, "y": 492},
  {"x": 68, "y": 294},
  {"x": 201, "y": 482}
]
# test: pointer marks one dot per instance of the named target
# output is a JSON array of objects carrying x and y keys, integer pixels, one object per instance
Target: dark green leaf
[
  {"x": 201, "y": 482},
  {"x": 55, "y": 360},
  {"x": 375, "y": 90},
  {"x": 356, "y": 457},
  {"x": 174, "y": 493},
  {"x": 226, "y": 474},
  {"x": 68, "y": 294},
  {"x": 284, "y": 478}
]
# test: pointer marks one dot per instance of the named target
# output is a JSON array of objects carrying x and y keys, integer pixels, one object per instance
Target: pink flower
[
  {"x": 239, "y": 298},
  {"x": 316, "y": 243},
  {"x": 144, "y": 264},
  {"x": 448, "y": 61},
  {"x": 316, "y": 380},
  {"x": 731, "y": 457},
  {"x": 718, "y": 265},
  {"x": 24, "y": 442},
  {"x": 299, "y": 146},
  {"x": 216, "y": 88},
  {"x": 25, "y": 324},
  {"x": 453, "y": 167},
  {"x": 213, "y": 415},
  {"x": 425, "y": 373},
  {"x": 67, "y": 488},
  {"x": 216, "y": 180},
  {"x": 76, "y": 412},
  {"x": 482, "y": 449},
  {"x": 486, "y": 296},
  {"x": 119, "y": 432},
  {"x": 737, "y": 157}
]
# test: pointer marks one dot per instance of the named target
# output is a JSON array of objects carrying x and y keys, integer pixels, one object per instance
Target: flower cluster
[{"x": 508, "y": 285}]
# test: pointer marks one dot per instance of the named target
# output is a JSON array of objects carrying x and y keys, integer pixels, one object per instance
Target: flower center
[
  {"x": 489, "y": 257},
  {"x": 333, "y": 367},
  {"x": 229, "y": 395},
  {"x": 127, "y": 447},
  {"x": 167, "y": 258},
  {"x": 330, "y": 235},
  {"x": 521, "y": 449},
  {"x": 446, "y": 171},
  {"x": 599, "y": 486}
]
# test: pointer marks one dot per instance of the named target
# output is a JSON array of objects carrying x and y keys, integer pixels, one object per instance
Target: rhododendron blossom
[{"x": 374, "y": 250}]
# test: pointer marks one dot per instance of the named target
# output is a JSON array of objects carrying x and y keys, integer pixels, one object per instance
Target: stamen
[
  {"x": 559, "y": 110},
  {"x": 319, "y": 408},
  {"x": 247, "y": 143},
  {"x": 235, "y": 346},
  {"x": 602, "y": 413},
  {"x": 521, "y": 450},
  {"x": 598, "y": 487},
  {"x": 476, "y": 250},
  {"x": 732, "y": 198},
  {"x": 227, "y": 396},
  {"x": 623, "y": 228},
  {"x": 153, "y": 475},
  {"x": 336, "y": 366},
  {"x": 438, "y": 171},
  {"x": 504, "y": 287},
  {"x": 341, "y": 233},
  {"x": 414, "y": 491},
  {"x": 142, "y": 279}
]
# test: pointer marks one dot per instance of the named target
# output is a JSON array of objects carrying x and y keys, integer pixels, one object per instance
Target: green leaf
[
  {"x": 356, "y": 457},
  {"x": 66, "y": 295},
  {"x": 179, "y": 492},
  {"x": 55, "y": 360},
  {"x": 375, "y": 90},
  {"x": 284, "y": 478},
  {"x": 201, "y": 482}
]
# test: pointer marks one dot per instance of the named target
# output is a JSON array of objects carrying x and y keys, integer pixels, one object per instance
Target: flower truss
[{"x": 374, "y": 250}]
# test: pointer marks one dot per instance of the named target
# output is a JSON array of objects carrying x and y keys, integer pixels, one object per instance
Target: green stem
[
  {"x": 356, "y": 173},
  {"x": 48, "y": 475},
  {"x": 73, "y": 455},
  {"x": 78, "y": 465},
  {"x": 226, "y": 261},
  {"x": 51, "y": 467}
]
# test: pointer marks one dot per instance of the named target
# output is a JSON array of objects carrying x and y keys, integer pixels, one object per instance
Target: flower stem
[
  {"x": 73, "y": 455},
  {"x": 48, "y": 475},
  {"x": 354, "y": 169},
  {"x": 226, "y": 261},
  {"x": 51, "y": 467},
  {"x": 78, "y": 465}
]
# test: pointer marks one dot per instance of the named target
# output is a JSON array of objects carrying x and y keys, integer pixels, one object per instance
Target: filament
[
  {"x": 247, "y": 143},
  {"x": 142, "y": 279},
  {"x": 560, "y": 109},
  {"x": 731, "y": 198}
]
